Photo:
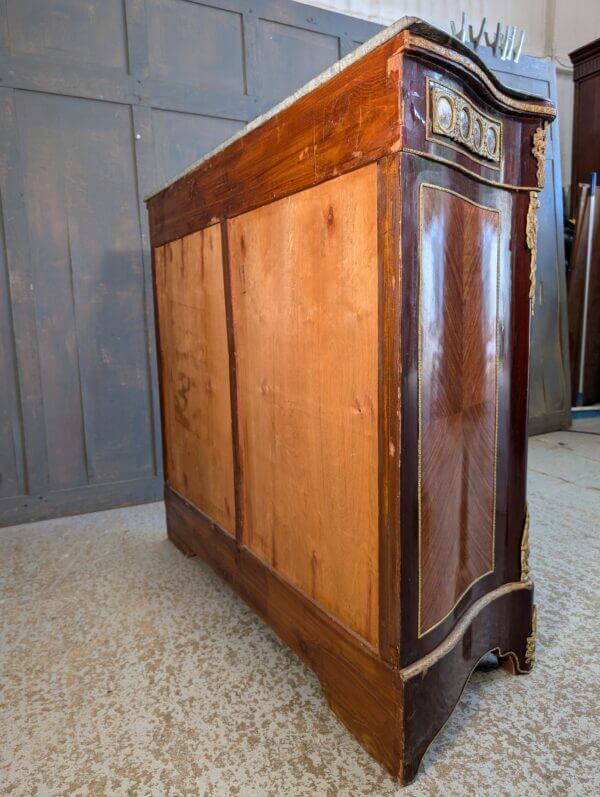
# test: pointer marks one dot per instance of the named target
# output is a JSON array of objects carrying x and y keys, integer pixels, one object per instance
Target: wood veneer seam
[{"x": 238, "y": 481}]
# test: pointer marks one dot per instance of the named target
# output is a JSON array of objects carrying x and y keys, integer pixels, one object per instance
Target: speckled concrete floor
[{"x": 127, "y": 669}]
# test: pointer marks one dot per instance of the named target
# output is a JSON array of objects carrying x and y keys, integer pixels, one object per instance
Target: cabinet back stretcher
[{"x": 343, "y": 296}]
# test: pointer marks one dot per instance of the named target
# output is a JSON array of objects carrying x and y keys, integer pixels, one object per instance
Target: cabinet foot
[{"x": 503, "y": 622}]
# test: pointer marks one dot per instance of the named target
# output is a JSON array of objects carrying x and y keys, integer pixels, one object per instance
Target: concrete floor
[{"x": 126, "y": 669}]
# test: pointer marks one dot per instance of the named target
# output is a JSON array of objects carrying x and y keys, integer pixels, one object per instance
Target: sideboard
[{"x": 343, "y": 293}]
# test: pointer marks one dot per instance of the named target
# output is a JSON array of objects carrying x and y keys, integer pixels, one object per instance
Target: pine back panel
[
  {"x": 195, "y": 373},
  {"x": 304, "y": 288}
]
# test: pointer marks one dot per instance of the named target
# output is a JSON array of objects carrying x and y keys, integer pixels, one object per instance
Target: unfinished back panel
[
  {"x": 195, "y": 373},
  {"x": 304, "y": 282}
]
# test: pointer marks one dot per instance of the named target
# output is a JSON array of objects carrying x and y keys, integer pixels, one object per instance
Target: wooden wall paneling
[
  {"x": 20, "y": 273},
  {"x": 40, "y": 134},
  {"x": 180, "y": 138},
  {"x": 90, "y": 32},
  {"x": 4, "y": 35},
  {"x": 283, "y": 59},
  {"x": 170, "y": 105},
  {"x": 315, "y": 150},
  {"x": 109, "y": 287},
  {"x": 136, "y": 30},
  {"x": 304, "y": 285},
  {"x": 145, "y": 169},
  {"x": 199, "y": 44},
  {"x": 12, "y": 453},
  {"x": 549, "y": 394},
  {"x": 199, "y": 452},
  {"x": 94, "y": 359}
]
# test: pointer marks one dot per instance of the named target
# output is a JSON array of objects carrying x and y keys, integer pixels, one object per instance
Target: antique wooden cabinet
[{"x": 343, "y": 294}]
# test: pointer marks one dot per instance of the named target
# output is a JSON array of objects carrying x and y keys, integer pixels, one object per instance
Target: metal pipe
[{"x": 586, "y": 288}]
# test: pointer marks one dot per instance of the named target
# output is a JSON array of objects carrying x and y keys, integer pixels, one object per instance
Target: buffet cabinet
[{"x": 343, "y": 297}]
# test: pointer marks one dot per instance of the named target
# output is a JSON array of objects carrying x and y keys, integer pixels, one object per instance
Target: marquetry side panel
[
  {"x": 305, "y": 295},
  {"x": 195, "y": 373},
  {"x": 458, "y": 397}
]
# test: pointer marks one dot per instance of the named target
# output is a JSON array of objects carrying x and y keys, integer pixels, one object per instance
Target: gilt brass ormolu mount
[{"x": 454, "y": 116}]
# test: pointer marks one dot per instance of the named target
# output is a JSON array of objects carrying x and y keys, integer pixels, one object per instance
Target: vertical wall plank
[
  {"x": 12, "y": 455},
  {"x": 21, "y": 281},
  {"x": 137, "y": 37},
  {"x": 251, "y": 78},
  {"x": 145, "y": 165},
  {"x": 3, "y": 27},
  {"x": 43, "y": 152}
]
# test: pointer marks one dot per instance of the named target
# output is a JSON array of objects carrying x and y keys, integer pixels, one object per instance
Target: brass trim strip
[
  {"x": 474, "y": 175},
  {"x": 466, "y": 63},
  {"x": 531, "y": 234},
  {"x": 420, "y": 632},
  {"x": 455, "y": 636},
  {"x": 434, "y": 86},
  {"x": 525, "y": 575}
]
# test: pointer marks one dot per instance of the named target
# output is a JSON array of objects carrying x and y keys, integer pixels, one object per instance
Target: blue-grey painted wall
[{"x": 101, "y": 100}]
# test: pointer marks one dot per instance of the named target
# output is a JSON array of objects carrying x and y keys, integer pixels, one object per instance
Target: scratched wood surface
[
  {"x": 304, "y": 277},
  {"x": 458, "y": 398},
  {"x": 195, "y": 373}
]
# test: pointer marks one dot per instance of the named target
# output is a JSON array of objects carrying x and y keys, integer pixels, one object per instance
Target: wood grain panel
[
  {"x": 458, "y": 362},
  {"x": 304, "y": 277},
  {"x": 195, "y": 373}
]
